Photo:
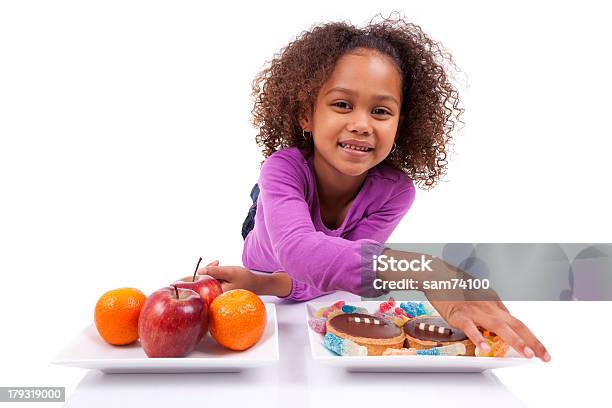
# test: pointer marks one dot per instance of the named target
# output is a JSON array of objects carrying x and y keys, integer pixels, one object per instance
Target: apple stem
[
  {"x": 196, "y": 269},
  {"x": 176, "y": 291}
]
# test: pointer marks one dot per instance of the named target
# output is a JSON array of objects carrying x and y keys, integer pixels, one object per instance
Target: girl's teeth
[{"x": 361, "y": 149}]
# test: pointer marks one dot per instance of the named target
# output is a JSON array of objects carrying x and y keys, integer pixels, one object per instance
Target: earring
[
  {"x": 393, "y": 149},
  {"x": 306, "y": 135}
]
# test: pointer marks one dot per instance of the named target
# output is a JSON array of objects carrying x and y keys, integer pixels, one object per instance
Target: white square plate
[
  {"x": 88, "y": 350},
  {"x": 400, "y": 363}
]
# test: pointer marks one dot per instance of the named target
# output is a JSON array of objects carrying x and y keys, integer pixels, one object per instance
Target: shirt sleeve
[{"x": 316, "y": 262}]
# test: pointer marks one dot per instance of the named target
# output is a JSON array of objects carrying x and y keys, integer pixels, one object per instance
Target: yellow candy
[
  {"x": 398, "y": 320},
  {"x": 319, "y": 313}
]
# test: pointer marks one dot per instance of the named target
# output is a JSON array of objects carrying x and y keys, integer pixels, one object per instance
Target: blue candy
[
  {"x": 354, "y": 309},
  {"x": 455, "y": 349},
  {"x": 348, "y": 309},
  {"x": 343, "y": 347},
  {"x": 414, "y": 309}
]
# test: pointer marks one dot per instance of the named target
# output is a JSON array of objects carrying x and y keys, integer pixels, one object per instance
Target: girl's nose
[{"x": 360, "y": 124}]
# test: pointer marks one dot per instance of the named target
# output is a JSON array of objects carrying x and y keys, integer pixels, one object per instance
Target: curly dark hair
[{"x": 288, "y": 86}]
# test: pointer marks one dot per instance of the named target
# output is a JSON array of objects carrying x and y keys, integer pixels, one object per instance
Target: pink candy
[
  {"x": 321, "y": 316},
  {"x": 387, "y": 306},
  {"x": 389, "y": 311},
  {"x": 318, "y": 325},
  {"x": 400, "y": 312},
  {"x": 336, "y": 306}
]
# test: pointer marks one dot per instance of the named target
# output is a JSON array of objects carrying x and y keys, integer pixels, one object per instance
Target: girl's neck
[{"x": 334, "y": 188}]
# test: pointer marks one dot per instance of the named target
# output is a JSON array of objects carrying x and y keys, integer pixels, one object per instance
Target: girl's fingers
[
  {"x": 220, "y": 272},
  {"x": 202, "y": 271},
  {"x": 226, "y": 286},
  {"x": 472, "y": 332},
  {"x": 497, "y": 319},
  {"x": 508, "y": 335},
  {"x": 502, "y": 306},
  {"x": 529, "y": 338}
]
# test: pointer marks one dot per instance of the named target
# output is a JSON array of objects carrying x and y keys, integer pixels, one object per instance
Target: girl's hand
[
  {"x": 213, "y": 263},
  {"x": 232, "y": 277},
  {"x": 493, "y": 316},
  {"x": 467, "y": 309}
]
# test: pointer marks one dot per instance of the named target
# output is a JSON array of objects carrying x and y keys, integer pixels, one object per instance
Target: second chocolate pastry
[{"x": 425, "y": 332}]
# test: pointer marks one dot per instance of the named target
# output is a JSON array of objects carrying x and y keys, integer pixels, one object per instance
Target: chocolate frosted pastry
[
  {"x": 366, "y": 330},
  {"x": 425, "y": 332}
]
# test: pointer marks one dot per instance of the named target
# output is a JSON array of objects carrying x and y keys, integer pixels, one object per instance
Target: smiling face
[{"x": 356, "y": 113}]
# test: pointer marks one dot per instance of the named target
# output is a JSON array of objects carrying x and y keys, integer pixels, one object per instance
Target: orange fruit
[
  {"x": 237, "y": 319},
  {"x": 117, "y": 313}
]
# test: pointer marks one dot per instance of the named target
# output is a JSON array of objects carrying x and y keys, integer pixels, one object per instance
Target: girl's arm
[
  {"x": 236, "y": 277},
  {"x": 274, "y": 284}
]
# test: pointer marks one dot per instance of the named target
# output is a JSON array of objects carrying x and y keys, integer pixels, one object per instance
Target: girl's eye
[
  {"x": 380, "y": 111},
  {"x": 341, "y": 104}
]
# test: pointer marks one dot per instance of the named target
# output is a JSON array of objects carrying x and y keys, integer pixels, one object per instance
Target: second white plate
[{"x": 400, "y": 363}]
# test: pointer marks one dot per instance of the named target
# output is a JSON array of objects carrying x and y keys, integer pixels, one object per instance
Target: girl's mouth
[{"x": 355, "y": 150}]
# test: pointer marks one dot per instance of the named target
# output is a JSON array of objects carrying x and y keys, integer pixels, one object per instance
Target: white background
[{"x": 126, "y": 150}]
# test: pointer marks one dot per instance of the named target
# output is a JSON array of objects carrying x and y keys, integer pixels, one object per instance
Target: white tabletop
[
  {"x": 577, "y": 375},
  {"x": 297, "y": 380}
]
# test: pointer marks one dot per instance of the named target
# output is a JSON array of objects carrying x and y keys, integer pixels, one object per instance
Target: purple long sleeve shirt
[{"x": 289, "y": 235}]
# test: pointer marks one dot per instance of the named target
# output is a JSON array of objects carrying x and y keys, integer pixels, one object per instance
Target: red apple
[
  {"x": 207, "y": 286},
  {"x": 172, "y": 322}
]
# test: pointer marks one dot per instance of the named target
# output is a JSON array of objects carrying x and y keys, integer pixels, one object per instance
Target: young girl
[{"x": 349, "y": 119}]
